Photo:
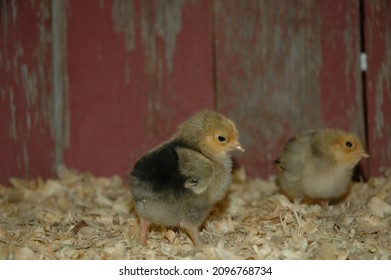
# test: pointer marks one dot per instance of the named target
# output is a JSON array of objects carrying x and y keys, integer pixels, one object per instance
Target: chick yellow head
[
  {"x": 223, "y": 139},
  {"x": 346, "y": 148},
  {"x": 212, "y": 133}
]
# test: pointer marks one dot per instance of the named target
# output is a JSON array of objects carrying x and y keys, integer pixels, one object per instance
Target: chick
[
  {"x": 178, "y": 182},
  {"x": 318, "y": 166}
]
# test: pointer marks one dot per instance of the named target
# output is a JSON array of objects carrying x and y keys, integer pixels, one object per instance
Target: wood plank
[
  {"x": 378, "y": 83},
  {"x": 26, "y": 143},
  {"x": 136, "y": 70},
  {"x": 284, "y": 67}
]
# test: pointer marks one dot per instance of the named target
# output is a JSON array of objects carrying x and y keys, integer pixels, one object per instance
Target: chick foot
[
  {"x": 194, "y": 234},
  {"x": 144, "y": 231}
]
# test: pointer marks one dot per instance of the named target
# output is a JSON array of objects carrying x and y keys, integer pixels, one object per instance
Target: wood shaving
[{"x": 80, "y": 216}]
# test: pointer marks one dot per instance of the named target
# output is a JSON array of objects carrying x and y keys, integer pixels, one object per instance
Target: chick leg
[
  {"x": 194, "y": 234},
  {"x": 144, "y": 230}
]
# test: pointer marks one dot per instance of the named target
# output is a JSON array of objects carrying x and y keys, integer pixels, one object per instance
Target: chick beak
[
  {"x": 237, "y": 146},
  {"x": 364, "y": 154}
]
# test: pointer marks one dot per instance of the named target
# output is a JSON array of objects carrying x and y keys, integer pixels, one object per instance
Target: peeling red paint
[
  {"x": 26, "y": 144},
  {"x": 340, "y": 77},
  {"x": 282, "y": 69},
  {"x": 129, "y": 72},
  {"x": 124, "y": 98}
]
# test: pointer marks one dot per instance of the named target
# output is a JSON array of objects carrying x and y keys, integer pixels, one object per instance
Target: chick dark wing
[
  {"x": 158, "y": 172},
  {"x": 197, "y": 169}
]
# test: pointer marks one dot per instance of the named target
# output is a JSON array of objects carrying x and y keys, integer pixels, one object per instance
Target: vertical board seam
[{"x": 364, "y": 79}]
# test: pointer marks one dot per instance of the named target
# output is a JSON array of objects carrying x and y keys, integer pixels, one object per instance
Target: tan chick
[
  {"x": 178, "y": 182},
  {"x": 318, "y": 166}
]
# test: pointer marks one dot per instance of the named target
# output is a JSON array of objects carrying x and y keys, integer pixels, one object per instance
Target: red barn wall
[
  {"x": 94, "y": 84},
  {"x": 136, "y": 69},
  {"x": 26, "y": 139},
  {"x": 285, "y": 67}
]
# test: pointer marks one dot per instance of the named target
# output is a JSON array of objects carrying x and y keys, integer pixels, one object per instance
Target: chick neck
[{"x": 221, "y": 156}]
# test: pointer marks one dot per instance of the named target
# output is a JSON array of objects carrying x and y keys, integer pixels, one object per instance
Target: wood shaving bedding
[{"x": 80, "y": 216}]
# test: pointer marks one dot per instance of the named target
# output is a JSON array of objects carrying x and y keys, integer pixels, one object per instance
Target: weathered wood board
[
  {"x": 26, "y": 140},
  {"x": 284, "y": 67},
  {"x": 95, "y": 84},
  {"x": 378, "y": 82},
  {"x": 136, "y": 70}
]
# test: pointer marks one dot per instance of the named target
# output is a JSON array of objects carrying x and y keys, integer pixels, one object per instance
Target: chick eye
[
  {"x": 349, "y": 144},
  {"x": 221, "y": 138}
]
